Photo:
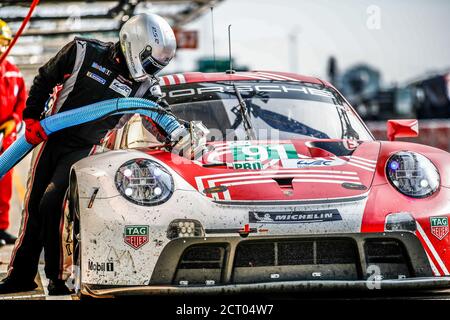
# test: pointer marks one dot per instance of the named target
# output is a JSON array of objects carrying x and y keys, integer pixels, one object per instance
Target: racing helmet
[
  {"x": 148, "y": 44},
  {"x": 5, "y": 35}
]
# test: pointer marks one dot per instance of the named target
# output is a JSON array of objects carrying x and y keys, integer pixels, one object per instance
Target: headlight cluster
[
  {"x": 412, "y": 174},
  {"x": 144, "y": 182}
]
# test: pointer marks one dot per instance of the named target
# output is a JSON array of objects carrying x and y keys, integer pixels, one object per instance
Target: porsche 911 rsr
[{"x": 289, "y": 191}]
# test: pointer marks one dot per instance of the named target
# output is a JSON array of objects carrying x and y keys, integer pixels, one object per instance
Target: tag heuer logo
[
  {"x": 136, "y": 236},
  {"x": 439, "y": 227}
]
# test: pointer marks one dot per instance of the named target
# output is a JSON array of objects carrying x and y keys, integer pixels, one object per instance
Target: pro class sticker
[
  {"x": 439, "y": 227},
  {"x": 294, "y": 216},
  {"x": 136, "y": 236}
]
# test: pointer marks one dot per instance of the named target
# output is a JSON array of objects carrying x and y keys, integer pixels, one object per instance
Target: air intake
[
  {"x": 201, "y": 265},
  {"x": 308, "y": 259}
]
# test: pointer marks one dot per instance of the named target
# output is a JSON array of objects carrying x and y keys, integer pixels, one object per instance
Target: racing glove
[{"x": 34, "y": 133}]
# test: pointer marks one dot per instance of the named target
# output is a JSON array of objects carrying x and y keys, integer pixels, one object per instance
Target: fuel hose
[{"x": 167, "y": 122}]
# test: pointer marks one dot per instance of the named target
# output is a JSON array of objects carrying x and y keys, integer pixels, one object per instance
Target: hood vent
[{"x": 285, "y": 183}]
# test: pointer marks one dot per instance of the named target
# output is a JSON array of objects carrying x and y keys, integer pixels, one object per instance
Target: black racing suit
[{"x": 89, "y": 71}]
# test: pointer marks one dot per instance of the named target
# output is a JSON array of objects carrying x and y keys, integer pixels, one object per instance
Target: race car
[{"x": 286, "y": 190}]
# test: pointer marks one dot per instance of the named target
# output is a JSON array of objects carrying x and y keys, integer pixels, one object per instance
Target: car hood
[{"x": 279, "y": 170}]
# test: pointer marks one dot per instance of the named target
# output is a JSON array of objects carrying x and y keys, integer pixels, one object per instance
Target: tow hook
[{"x": 244, "y": 232}]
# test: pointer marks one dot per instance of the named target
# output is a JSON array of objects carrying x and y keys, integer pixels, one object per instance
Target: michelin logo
[{"x": 295, "y": 216}]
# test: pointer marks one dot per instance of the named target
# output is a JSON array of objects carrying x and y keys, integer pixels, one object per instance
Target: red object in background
[
  {"x": 12, "y": 102},
  {"x": 186, "y": 39},
  {"x": 402, "y": 129},
  {"x": 5, "y": 197},
  {"x": 13, "y": 93},
  {"x": 19, "y": 32}
]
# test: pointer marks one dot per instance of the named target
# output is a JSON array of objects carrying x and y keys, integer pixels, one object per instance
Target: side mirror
[{"x": 407, "y": 128}]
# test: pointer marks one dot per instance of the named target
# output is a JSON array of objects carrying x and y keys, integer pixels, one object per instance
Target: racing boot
[
  {"x": 58, "y": 288},
  {"x": 13, "y": 285},
  {"x": 7, "y": 237}
]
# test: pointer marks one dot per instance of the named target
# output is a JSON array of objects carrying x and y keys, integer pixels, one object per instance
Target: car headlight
[
  {"x": 144, "y": 182},
  {"x": 412, "y": 174}
]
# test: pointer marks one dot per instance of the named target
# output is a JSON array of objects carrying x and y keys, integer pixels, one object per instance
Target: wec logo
[{"x": 306, "y": 163}]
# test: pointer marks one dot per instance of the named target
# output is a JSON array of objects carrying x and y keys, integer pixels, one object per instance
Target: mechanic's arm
[{"x": 54, "y": 72}]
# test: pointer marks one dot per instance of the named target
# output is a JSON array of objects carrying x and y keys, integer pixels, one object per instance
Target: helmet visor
[{"x": 150, "y": 65}]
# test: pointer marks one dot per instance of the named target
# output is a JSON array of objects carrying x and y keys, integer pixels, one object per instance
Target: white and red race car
[{"x": 290, "y": 192}]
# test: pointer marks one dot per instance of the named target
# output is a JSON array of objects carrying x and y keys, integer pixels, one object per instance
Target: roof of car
[{"x": 192, "y": 77}]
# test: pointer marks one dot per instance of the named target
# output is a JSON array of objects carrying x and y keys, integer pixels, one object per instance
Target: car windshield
[{"x": 280, "y": 110}]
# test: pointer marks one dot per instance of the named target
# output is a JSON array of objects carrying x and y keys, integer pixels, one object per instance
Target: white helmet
[{"x": 148, "y": 44}]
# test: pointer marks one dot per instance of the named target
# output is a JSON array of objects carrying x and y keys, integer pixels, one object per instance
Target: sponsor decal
[
  {"x": 263, "y": 152},
  {"x": 439, "y": 227},
  {"x": 95, "y": 65},
  {"x": 312, "y": 163},
  {"x": 120, "y": 88},
  {"x": 96, "y": 77},
  {"x": 100, "y": 266},
  {"x": 136, "y": 236},
  {"x": 155, "y": 35},
  {"x": 130, "y": 57},
  {"x": 305, "y": 163},
  {"x": 251, "y": 165},
  {"x": 294, "y": 216},
  {"x": 281, "y": 89}
]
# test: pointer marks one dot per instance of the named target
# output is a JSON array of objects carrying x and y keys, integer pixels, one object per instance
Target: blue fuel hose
[{"x": 20, "y": 148}]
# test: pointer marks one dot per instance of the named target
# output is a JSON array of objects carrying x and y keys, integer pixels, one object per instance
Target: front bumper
[{"x": 257, "y": 264}]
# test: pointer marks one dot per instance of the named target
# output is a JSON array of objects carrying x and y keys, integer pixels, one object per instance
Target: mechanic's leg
[
  {"x": 5, "y": 197},
  {"x": 25, "y": 256},
  {"x": 52, "y": 207}
]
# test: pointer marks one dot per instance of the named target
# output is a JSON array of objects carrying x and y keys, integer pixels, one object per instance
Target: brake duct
[{"x": 166, "y": 121}]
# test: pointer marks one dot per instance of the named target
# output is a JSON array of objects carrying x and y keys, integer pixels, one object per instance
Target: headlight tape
[{"x": 20, "y": 148}]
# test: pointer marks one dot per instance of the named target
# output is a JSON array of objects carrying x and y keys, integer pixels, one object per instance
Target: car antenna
[
  {"x": 213, "y": 39},
  {"x": 229, "y": 52}
]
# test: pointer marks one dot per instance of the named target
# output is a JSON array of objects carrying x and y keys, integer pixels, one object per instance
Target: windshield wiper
[
  {"x": 347, "y": 130},
  {"x": 250, "y": 133}
]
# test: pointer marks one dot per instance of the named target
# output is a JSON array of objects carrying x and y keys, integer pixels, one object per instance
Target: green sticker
[{"x": 261, "y": 152}]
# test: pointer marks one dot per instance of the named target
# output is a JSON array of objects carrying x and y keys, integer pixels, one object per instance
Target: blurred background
[{"x": 391, "y": 59}]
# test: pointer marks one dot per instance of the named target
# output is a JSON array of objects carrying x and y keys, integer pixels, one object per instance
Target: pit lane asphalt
[{"x": 19, "y": 180}]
